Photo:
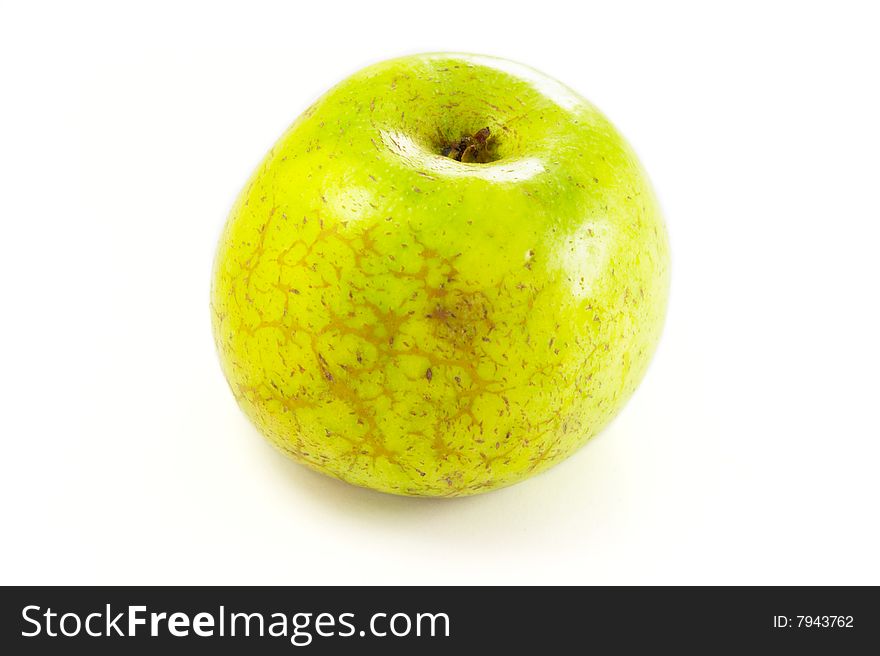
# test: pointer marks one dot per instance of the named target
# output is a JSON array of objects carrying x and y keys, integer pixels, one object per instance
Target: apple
[{"x": 447, "y": 275}]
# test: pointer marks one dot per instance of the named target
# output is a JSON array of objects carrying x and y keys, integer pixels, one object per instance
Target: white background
[{"x": 750, "y": 454}]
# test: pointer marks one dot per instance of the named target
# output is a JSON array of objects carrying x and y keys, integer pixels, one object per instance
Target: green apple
[{"x": 446, "y": 276}]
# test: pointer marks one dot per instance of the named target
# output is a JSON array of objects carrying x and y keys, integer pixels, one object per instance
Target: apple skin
[{"x": 424, "y": 326}]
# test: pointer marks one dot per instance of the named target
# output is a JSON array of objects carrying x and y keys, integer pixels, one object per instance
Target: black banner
[{"x": 448, "y": 620}]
